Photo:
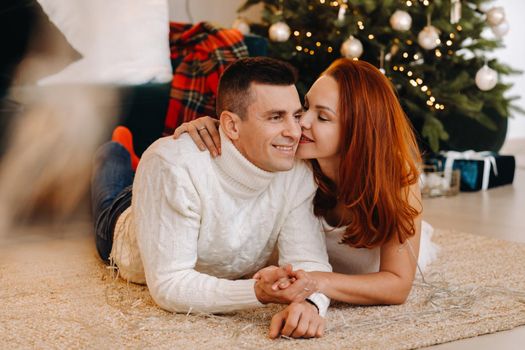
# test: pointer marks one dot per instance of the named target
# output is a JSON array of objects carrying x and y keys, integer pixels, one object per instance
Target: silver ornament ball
[
  {"x": 428, "y": 38},
  {"x": 495, "y": 16},
  {"x": 241, "y": 25},
  {"x": 279, "y": 31},
  {"x": 486, "y": 78},
  {"x": 501, "y": 29},
  {"x": 401, "y": 21},
  {"x": 352, "y": 48}
]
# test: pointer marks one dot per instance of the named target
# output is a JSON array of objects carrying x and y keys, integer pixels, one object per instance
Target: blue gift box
[{"x": 479, "y": 170}]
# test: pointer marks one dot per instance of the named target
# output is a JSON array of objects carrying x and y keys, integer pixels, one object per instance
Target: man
[{"x": 197, "y": 226}]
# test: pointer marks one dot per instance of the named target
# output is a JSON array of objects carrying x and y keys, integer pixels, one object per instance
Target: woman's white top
[{"x": 348, "y": 260}]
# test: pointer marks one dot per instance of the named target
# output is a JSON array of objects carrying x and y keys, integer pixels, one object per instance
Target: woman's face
[{"x": 320, "y": 121}]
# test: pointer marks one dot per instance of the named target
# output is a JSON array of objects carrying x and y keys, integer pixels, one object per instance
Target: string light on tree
[{"x": 420, "y": 84}]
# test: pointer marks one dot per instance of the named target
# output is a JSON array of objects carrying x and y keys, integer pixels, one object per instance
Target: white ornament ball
[
  {"x": 428, "y": 38},
  {"x": 241, "y": 25},
  {"x": 352, "y": 48},
  {"x": 495, "y": 16},
  {"x": 501, "y": 29},
  {"x": 486, "y": 78},
  {"x": 279, "y": 31},
  {"x": 401, "y": 21},
  {"x": 484, "y": 7}
]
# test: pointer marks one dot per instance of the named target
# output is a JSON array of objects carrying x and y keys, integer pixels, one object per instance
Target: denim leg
[{"x": 112, "y": 176}]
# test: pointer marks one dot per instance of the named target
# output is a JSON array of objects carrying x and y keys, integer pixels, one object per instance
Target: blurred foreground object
[{"x": 45, "y": 170}]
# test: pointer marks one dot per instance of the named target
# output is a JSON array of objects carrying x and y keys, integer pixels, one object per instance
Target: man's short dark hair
[{"x": 234, "y": 86}]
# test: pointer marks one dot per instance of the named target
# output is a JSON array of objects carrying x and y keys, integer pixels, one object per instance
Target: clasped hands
[{"x": 283, "y": 285}]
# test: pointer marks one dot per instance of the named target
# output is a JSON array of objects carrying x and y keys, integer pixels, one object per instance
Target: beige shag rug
[{"x": 57, "y": 294}]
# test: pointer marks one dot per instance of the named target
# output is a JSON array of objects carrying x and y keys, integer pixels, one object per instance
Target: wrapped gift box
[{"x": 479, "y": 170}]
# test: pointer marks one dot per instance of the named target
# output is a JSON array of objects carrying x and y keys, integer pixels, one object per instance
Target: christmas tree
[{"x": 435, "y": 52}]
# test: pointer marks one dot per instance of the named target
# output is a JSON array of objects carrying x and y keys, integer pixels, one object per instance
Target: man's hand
[
  {"x": 282, "y": 285},
  {"x": 297, "y": 320}
]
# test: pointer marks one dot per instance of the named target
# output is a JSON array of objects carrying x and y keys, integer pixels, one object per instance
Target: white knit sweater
[{"x": 198, "y": 226}]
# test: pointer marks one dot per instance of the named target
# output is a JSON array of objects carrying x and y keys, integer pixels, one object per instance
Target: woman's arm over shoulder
[{"x": 204, "y": 131}]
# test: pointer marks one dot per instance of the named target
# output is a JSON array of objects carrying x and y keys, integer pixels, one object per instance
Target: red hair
[{"x": 379, "y": 159}]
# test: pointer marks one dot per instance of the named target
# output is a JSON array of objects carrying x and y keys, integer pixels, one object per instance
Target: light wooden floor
[{"x": 498, "y": 213}]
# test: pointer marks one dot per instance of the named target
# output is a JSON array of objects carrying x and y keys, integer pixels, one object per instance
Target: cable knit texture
[{"x": 198, "y": 226}]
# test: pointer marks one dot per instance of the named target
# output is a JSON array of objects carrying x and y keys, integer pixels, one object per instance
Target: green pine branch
[{"x": 447, "y": 72}]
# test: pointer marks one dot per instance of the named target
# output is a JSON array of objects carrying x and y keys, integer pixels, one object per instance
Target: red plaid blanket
[{"x": 205, "y": 52}]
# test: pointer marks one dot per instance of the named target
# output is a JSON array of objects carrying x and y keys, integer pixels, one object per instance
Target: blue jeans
[{"x": 111, "y": 185}]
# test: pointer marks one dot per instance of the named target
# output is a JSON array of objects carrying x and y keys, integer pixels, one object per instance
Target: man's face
[{"x": 270, "y": 132}]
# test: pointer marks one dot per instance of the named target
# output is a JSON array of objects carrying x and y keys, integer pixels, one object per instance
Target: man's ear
[{"x": 230, "y": 124}]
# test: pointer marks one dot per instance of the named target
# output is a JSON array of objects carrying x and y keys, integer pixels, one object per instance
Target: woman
[{"x": 365, "y": 160}]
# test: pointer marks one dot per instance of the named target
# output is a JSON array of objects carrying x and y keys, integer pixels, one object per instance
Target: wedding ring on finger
[{"x": 201, "y": 128}]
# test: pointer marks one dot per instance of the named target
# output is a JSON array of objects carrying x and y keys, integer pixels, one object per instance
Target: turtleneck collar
[{"x": 238, "y": 173}]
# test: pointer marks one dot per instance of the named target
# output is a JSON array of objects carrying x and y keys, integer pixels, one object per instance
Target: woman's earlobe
[{"x": 230, "y": 123}]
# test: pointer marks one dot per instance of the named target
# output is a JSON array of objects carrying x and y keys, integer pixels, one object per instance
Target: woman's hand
[
  {"x": 279, "y": 277},
  {"x": 283, "y": 285},
  {"x": 204, "y": 132}
]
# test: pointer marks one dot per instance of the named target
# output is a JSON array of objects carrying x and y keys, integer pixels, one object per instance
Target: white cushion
[{"x": 121, "y": 41}]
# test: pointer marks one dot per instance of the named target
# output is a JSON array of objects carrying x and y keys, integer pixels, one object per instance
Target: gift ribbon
[{"x": 486, "y": 156}]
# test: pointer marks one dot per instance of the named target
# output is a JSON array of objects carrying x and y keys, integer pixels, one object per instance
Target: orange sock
[{"x": 123, "y": 135}]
